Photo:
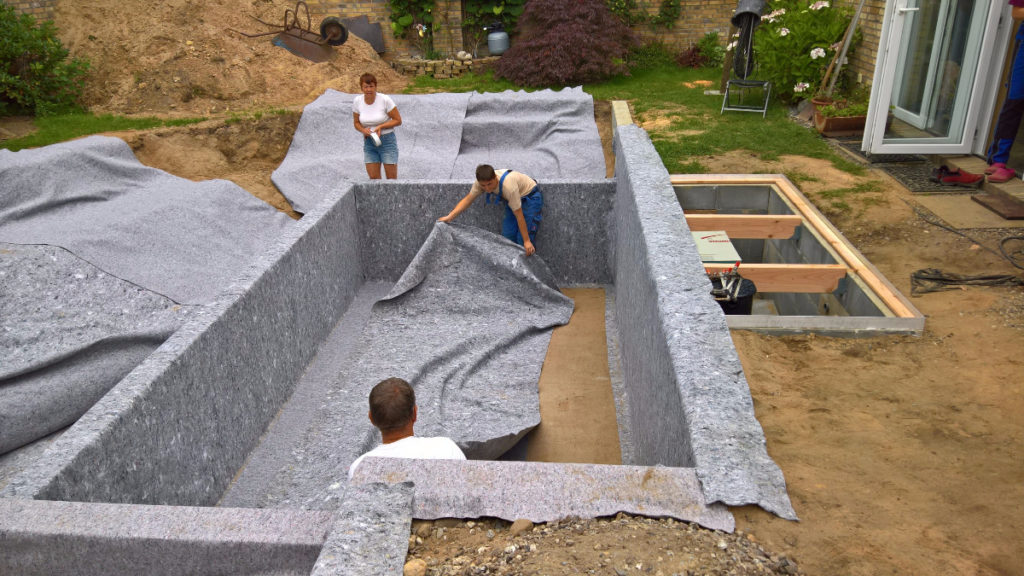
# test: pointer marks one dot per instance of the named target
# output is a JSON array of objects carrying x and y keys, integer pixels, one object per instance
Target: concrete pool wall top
[{"x": 179, "y": 427}]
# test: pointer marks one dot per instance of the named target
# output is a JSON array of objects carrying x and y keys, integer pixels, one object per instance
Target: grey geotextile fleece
[
  {"x": 104, "y": 259},
  {"x": 548, "y": 135},
  {"x": 467, "y": 325}
]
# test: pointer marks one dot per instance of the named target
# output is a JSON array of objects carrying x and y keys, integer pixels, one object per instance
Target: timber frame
[{"x": 898, "y": 315}]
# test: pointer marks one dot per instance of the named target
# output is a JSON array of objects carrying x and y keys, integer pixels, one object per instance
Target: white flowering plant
[{"x": 795, "y": 44}]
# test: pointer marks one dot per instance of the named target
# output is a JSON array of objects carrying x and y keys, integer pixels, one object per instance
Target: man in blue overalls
[
  {"x": 1013, "y": 109},
  {"x": 520, "y": 195}
]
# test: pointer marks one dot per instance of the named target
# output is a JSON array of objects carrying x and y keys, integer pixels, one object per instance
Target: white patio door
[{"x": 933, "y": 76}]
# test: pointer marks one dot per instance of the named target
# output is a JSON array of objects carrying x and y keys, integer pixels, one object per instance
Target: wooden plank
[
  {"x": 747, "y": 225},
  {"x": 804, "y": 278}
]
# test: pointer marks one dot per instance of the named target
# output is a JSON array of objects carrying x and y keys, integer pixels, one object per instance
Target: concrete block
[{"x": 370, "y": 536}]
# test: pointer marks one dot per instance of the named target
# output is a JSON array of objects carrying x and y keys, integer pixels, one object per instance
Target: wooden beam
[
  {"x": 805, "y": 278},
  {"x": 858, "y": 265},
  {"x": 747, "y": 225}
]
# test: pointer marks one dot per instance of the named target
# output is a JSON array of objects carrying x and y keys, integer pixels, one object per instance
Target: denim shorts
[{"x": 386, "y": 153}]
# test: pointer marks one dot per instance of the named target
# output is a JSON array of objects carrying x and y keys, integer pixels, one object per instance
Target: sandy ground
[
  {"x": 187, "y": 56},
  {"x": 902, "y": 454}
]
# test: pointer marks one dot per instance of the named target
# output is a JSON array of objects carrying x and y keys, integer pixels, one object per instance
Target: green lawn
[
  {"x": 53, "y": 129},
  {"x": 690, "y": 121},
  {"x": 692, "y": 124}
]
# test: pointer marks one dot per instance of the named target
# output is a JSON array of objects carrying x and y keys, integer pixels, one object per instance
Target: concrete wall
[
  {"x": 573, "y": 239},
  {"x": 70, "y": 538},
  {"x": 178, "y": 427},
  {"x": 689, "y": 402}
]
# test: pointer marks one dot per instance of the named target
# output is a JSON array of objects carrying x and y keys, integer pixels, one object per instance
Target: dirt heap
[{"x": 153, "y": 56}]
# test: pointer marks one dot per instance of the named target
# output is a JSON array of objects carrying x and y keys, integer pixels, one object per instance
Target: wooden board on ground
[{"x": 1006, "y": 206}]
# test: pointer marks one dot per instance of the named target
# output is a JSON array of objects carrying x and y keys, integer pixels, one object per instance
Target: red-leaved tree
[{"x": 566, "y": 42}]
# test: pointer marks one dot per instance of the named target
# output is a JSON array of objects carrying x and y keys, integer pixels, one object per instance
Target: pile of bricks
[{"x": 450, "y": 68}]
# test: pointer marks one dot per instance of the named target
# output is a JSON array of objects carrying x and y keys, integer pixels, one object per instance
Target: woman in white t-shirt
[{"x": 375, "y": 117}]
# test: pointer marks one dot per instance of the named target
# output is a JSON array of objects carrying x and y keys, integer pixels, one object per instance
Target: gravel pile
[{"x": 613, "y": 546}]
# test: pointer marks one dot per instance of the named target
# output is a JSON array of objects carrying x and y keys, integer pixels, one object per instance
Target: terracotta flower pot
[{"x": 835, "y": 126}]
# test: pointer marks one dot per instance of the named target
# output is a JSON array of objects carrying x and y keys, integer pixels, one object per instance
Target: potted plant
[{"x": 841, "y": 118}]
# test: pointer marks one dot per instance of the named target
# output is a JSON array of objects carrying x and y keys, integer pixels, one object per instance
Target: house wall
[{"x": 870, "y": 24}]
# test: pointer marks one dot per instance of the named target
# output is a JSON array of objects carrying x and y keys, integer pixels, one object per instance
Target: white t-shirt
[
  {"x": 375, "y": 114},
  {"x": 436, "y": 448}
]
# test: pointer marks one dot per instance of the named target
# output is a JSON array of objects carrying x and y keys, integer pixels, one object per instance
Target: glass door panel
[{"x": 927, "y": 78}]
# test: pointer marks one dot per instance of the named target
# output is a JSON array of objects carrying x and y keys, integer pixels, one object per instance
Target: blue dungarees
[
  {"x": 1013, "y": 106},
  {"x": 532, "y": 204}
]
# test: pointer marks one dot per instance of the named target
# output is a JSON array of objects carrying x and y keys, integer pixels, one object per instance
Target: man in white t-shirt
[{"x": 393, "y": 412}]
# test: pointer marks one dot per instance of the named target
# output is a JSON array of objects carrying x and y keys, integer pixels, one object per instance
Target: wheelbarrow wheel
[{"x": 333, "y": 31}]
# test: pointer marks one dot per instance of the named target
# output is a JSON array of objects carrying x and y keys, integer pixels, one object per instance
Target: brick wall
[
  {"x": 41, "y": 9},
  {"x": 870, "y": 24},
  {"x": 696, "y": 18}
]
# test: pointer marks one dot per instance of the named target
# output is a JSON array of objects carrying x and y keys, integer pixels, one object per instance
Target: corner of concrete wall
[{"x": 179, "y": 426}]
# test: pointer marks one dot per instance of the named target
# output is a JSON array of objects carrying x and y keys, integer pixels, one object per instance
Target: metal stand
[{"x": 742, "y": 86}]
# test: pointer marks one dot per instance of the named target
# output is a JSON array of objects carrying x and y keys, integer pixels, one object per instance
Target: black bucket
[{"x": 744, "y": 301}]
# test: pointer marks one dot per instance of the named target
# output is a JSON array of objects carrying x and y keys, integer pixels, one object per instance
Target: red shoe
[
  {"x": 993, "y": 167},
  {"x": 1001, "y": 174},
  {"x": 962, "y": 179}
]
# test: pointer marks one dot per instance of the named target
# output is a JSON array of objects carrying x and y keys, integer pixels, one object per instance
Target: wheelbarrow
[{"x": 302, "y": 40}]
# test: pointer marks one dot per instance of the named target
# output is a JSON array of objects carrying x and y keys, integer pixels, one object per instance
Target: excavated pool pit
[
  {"x": 808, "y": 275},
  {"x": 179, "y": 429}
]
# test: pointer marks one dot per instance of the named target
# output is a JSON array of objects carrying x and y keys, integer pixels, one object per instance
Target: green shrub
[
  {"x": 842, "y": 108},
  {"x": 708, "y": 53},
  {"x": 795, "y": 44},
  {"x": 566, "y": 43},
  {"x": 711, "y": 50},
  {"x": 668, "y": 12},
  {"x": 35, "y": 73},
  {"x": 649, "y": 55}
]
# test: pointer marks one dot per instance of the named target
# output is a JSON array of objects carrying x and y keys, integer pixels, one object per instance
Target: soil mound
[{"x": 165, "y": 56}]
